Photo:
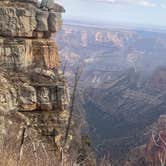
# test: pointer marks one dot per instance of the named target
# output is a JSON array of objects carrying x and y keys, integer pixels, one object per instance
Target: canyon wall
[
  {"x": 123, "y": 89},
  {"x": 34, "y": 96}
]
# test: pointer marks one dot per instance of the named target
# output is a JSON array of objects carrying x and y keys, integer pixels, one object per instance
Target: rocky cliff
[{"x": 33, "y": 94}]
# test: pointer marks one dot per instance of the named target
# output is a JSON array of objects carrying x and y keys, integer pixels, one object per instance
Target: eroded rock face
[
  {"x": 25, "y": 32},
  {"x": 30, "y": 111},
  {"x": 17, "y": 22},
  {"x": 33, "y": 94},
  {"x": 29, "y": 139},
  {"x": 23, "y": 18},
  {"x": 33, "y": 117}
]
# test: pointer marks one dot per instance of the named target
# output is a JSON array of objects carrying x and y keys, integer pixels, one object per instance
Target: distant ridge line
[{"x": 115, "y": 26}]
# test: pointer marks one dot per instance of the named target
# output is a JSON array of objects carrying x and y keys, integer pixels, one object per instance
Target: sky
[{"x": 134, "y": 12}]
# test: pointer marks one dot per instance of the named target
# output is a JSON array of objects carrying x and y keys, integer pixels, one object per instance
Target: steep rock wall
[
  {"x": 33, "y": 94},
  {"x": 25, "y": 32}
]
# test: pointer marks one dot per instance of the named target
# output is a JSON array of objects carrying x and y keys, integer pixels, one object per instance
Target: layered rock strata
[
  {"x": 33, "y": 94},
  {"x": 25, "y": 32}
]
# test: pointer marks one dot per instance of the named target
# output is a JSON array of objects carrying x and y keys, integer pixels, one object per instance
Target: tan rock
[
  {"x": 45, "y": 54},
  {"x": 22, "y": 53},
  {"x": 18, "y": 22},
  {"x": 31, "y": 93},
  {"x": 26, "y": 19}
]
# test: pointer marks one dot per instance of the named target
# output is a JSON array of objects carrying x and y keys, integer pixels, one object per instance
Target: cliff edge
[{"x": 34, "y": 97}]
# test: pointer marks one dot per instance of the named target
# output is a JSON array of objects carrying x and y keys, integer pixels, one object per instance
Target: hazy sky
[{"x": 144, "y": 12}]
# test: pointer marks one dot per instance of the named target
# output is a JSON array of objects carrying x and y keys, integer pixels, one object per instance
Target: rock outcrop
[
  {"x": 33, "y": 94},
  {"x": 25, "y": 32},
  {"x": 154, "y": 152}
]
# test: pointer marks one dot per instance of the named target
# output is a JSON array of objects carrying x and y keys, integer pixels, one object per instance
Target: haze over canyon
[{"x": 122, "y": 87}]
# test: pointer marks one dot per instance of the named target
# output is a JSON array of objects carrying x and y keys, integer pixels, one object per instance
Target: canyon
[
  {"x": 121, "y": 95},
  {"x": 122, "y": 89}
]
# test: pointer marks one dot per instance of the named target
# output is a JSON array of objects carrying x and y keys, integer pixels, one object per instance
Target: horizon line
[{"x": 114, "y": 25}]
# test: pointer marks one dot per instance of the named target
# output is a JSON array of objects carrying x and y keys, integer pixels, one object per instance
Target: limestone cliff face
[
  {"x": 33, "y": 95},
  {"x": 25, "y": 32}
]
